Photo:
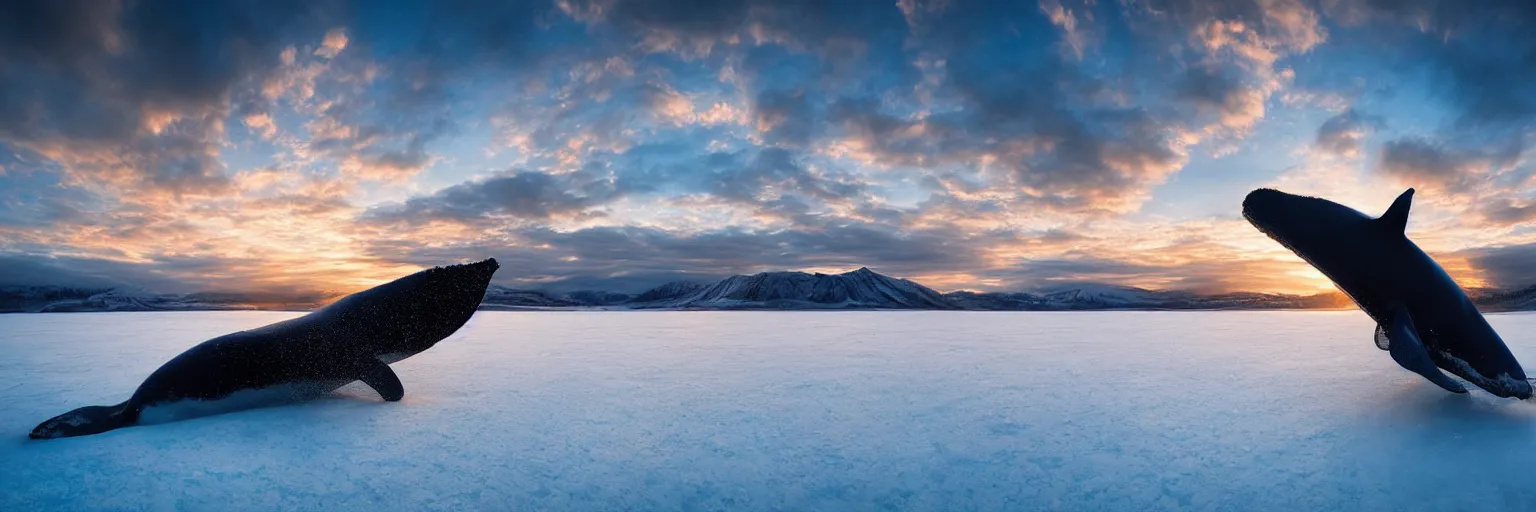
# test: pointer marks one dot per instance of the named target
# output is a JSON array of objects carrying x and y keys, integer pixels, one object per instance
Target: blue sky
[{"x": 324, "y": 146}]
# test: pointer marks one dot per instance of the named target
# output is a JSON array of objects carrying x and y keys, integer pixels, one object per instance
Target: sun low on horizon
[{"x": 316, "y": 148}]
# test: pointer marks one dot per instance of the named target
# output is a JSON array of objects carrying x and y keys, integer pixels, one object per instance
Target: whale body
[
  {"x": 354, "y": 338},
  {"x": 1423, "y": 318}
]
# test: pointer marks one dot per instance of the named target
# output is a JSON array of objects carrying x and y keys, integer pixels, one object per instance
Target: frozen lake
[{"x": 790, "y": 411}]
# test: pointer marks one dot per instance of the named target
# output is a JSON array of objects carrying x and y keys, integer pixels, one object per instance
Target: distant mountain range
[
  {"x": 66, "y": 299},
  {"x": 859, "y": 289}
]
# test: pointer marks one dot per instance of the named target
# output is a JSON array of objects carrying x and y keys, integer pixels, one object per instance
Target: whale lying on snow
[
  {"x": 1423, "y": 318},
  {"x": 355, "y": 338}
]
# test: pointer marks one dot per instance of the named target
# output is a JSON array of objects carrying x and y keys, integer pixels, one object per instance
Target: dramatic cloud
[
  {"x": 1479, "y": 53},
  {"x": 1233, "y": 105},
  {"x": 313, "y": 146},
  {"x": 111, "y": 91},
  {"x": 1342, "y": 134},
  {"x": 1506, "y": 212},
  {"x": 509, "y": 196},
  {"x": 784, "y": 117},
  {"x": 1427, "y": 163},
  {"x": 1509, "y": 266}
]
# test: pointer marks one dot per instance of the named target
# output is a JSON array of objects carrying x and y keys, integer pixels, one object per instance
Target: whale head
[
  {"x": 1302, "y": 223},
  {"x": 412, "y": 313}
]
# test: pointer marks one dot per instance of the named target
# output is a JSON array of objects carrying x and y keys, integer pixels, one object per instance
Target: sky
[{"x": 311, "y": 147}]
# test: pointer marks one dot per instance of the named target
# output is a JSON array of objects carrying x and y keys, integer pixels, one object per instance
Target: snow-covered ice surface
[{"x": 790, "y": 411}]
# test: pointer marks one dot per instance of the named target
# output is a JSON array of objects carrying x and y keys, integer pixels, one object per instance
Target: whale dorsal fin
[{"x": 1396, "y": 217}]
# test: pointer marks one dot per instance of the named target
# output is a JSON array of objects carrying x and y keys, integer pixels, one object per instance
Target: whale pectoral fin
[
  {"x": 1409, "y": 352},
  {"x": 378, "y": 376}
]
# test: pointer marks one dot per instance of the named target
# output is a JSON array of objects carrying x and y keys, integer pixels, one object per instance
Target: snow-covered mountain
[
  {"x": 1073, "y": 297},
  {"x": 57, "y": 299},
  {"x": 667, "y": 293},
  {"x": 501, "y": 297},
  {"x": 1106, "y": 296},
  {"x": 1492, "y": 300},
  {"x": 1098, "y": 297},
  {"x": 1009, "y": 301},
  {"x": 132, "y": 300},
  {"x": 859, "y": 289},
  {"x": 31, "y": 299},
  {"x": 504, "y": 298},
  {"x": 597, "y": 297}
]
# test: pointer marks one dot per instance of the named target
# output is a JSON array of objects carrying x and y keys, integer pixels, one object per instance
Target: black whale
[
  {"x": 1422, "y": 316},
  {"x": 354, "y": 338}
]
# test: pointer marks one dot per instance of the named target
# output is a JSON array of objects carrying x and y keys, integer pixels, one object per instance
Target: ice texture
[{"x": 917, "y": 410}]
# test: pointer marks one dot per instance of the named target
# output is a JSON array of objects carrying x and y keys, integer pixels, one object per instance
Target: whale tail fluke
[{"x": 84, "y": 421}]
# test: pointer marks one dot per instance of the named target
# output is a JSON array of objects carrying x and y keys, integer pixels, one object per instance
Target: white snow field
[{"x": 790, "y": 411}]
